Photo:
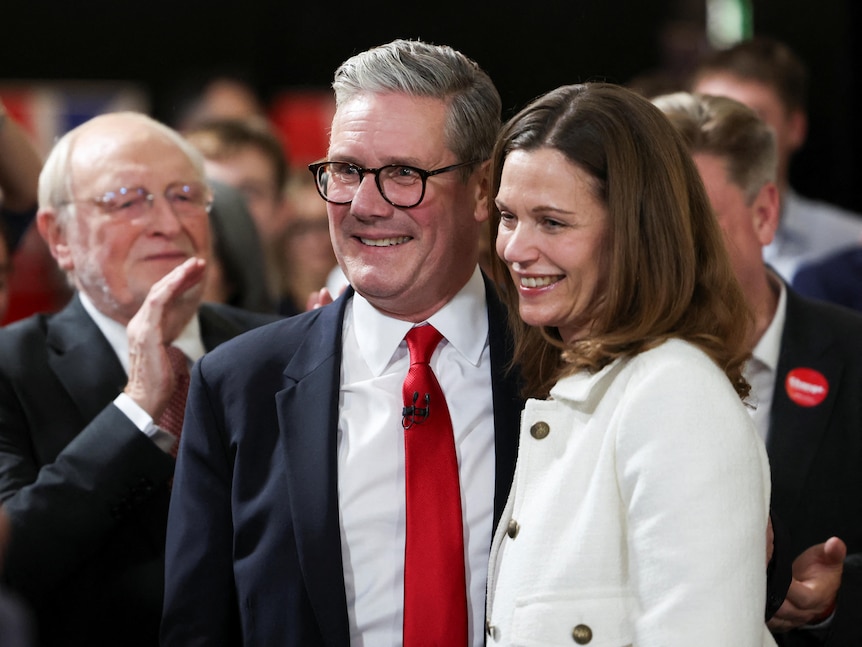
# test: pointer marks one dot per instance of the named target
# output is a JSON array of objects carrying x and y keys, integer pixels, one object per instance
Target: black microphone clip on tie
[{"x": 412, "y": 414}]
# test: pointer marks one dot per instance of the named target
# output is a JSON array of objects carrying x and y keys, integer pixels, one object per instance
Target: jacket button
[
  {"x": 582, "y": 634},
  {"x": 513, "y": 529},
  {"x": 540, "y": 430}
]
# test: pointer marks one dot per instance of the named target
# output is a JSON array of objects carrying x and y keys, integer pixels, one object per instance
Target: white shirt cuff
[{"x": 144, "y": 422}]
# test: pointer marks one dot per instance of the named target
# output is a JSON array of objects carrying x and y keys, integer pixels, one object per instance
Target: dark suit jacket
[
  {"x": 86, "y": 491},
  {"x": 16, "y": 624},
  {"x": 254, "y": 549},
  {"x": 815, "y": 453},
  {"x": 836, "y": 278}
]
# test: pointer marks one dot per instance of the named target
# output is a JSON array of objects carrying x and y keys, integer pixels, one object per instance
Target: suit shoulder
[
  {"x": 824, "y": 315},
  {"x": 274, "y": 338},
  {"x": 238, "y": 316},
  {"x": 25, "y": 333},
  {"x": 846, "y": 260}
]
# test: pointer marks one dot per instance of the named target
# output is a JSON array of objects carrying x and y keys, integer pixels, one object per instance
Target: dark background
[{"x": 527, "y": 48}]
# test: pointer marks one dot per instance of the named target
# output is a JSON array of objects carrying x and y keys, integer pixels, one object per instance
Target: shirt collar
[
  {"x": 463, "y": 322},
  {"x": 188, "y": 341},
  {"x": 768, "y": 346}
]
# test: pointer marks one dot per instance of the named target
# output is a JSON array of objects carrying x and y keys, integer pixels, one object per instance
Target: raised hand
[{"x": 165, "y": 312}]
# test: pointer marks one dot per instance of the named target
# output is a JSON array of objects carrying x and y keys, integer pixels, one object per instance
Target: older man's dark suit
[
  {"x": 86, "y": 491},
  {"x": 815, "y": 453},
  {"x": 256, "y": 485}
]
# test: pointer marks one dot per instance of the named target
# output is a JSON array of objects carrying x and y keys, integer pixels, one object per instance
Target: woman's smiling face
[{"x": 551, "y": 236}]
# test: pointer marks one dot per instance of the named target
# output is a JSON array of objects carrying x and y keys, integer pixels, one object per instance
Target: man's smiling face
[{"x": 407, "y": 262}]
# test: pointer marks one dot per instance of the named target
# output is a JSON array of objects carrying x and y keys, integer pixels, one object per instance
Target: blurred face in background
[
  {"x": 789, "y": 125},
  {"x": 250, "y": 171},
  {"x": 307, "y": 246}
]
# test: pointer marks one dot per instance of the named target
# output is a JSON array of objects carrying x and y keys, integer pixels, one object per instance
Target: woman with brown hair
[{"x": 639, "y": 506}]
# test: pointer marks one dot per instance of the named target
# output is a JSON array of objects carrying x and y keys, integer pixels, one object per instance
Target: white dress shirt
[
  {"x": 189, "y": 341},
  {"x": 371, "y": 486},
  {"x": 760, "y": 369}
]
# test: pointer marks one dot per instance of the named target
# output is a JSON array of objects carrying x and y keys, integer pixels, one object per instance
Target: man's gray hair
[
  {"x": 725, "y": 128},
  {"x": 437, "y": 71}
]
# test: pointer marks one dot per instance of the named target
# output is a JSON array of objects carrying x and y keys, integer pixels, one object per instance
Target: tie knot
[{"x": 421, "y": 342}]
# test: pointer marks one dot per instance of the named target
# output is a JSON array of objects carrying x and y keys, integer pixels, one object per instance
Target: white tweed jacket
[{"x": 638, "y": 512}]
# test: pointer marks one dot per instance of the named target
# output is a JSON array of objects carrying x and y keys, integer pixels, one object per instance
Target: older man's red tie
[{"x": 171, "y": 419}]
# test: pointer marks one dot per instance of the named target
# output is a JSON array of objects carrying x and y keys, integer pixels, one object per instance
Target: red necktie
[
  {"x": 171, "y": 419},
  {"x": 435, "y": 598}
]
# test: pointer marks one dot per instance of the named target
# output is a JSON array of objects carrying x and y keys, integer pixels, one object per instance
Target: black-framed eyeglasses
[
  {"x": 184, "y": 198},
  {"x": 400, "y": 185}
]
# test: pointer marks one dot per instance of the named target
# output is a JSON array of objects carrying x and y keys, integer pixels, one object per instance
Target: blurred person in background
[
  {"x": 247, "y": 155},
  {"x": 20, "y": 164},
  {"x": 196, "y": 97},
  {"x": 765, "y": 75},
  {"x": 308, "y": 257},
  {"x": 235, "y": 274},
  {"x": 836, "y": 278},
  {"x": 806, "y": 377},
  {"x": 91, "y": 398}
]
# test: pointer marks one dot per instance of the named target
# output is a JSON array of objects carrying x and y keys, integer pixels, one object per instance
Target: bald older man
[{"x": 86, "y": 449}]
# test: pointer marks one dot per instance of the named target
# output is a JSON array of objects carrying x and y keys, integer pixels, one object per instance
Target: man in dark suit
[
  {"x": 85, "y": 464},
  {"x": 16, "y": 625},
  {"x": 287, "y": 522},
  {"x": 836, "y": 278},
  {"x": 766, "y": 75},
  {"x": 806, "y": 377}
]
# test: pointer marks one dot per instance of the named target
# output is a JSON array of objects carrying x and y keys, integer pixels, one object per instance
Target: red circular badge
[{"x": 806, "y": 387}]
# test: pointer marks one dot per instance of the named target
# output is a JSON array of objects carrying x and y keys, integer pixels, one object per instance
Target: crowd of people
[{"x": 568, "y": 393}]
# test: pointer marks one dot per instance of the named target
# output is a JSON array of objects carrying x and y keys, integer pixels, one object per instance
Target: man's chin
[{"x": 373, "y": 284}]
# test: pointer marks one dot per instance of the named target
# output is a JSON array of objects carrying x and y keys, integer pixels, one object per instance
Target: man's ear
[
  {"x": 797, "y": 130},
  {"x": 766, "y": 210},
  {"x": 483, "y": 189},
  {"x": 53, "y": 230}
]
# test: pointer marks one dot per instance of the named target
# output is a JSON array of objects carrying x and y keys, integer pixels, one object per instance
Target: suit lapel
[
  {"x": 308, "y": 419},
  {"x": 85, "y": 363},
  {"x": 795, "y": 432},
  {"x": 83, "y": 360}
]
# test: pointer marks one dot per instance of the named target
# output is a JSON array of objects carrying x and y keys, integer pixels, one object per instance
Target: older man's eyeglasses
[
  {"x": 400, "y": 185},
  {"x": 184, "y": 198}
]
